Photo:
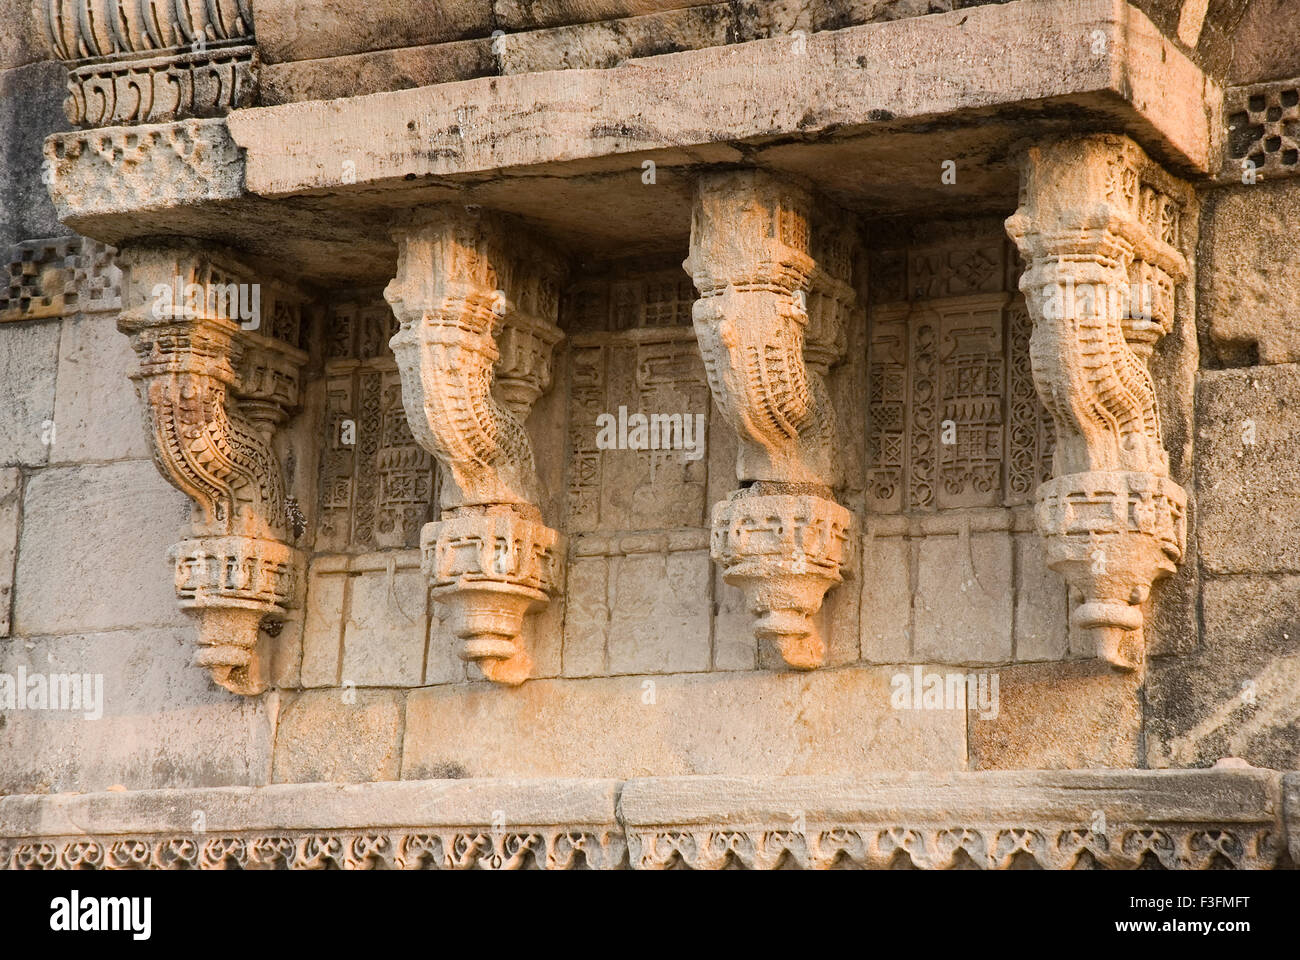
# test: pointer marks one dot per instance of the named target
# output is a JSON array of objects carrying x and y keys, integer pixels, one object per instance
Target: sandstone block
[
  {"x": 342, "y": 736},
  {"x": 1248, "y": 490},
  {"x": 767, "y": 723},
  {"x": 105, "y": 529},
  {"x": 1059, "y": 715},
  {"x": 386, "y": 630},
  {"x": 1247, "y": 284},
  {"x": 964, "y": 599},
  {"x": 1235, "y": 696},
  {"x": 28, "y": 366},
  {"x": 162, "y": 723},
  {"x": 96, "y": 412}
]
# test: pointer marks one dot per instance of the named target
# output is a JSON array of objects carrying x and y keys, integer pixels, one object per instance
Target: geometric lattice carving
[
  {"x": 378, "y": 487},
  {"x": 58, "y": 277},
  {"x": 954, "y": 419},
  {"x": 1264, "y": 129}
]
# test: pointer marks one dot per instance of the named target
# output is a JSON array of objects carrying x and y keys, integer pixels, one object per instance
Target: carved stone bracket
[
  {"x": 215, "y": 385},
  {"x": 771, "y": 317},
  {"x": 1098, "y": 228},
  {"x": 477, "y": 302}
]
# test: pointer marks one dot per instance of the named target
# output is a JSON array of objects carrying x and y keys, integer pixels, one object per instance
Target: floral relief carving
[
  {"x": 214, "y": 390},
  {"x": 477, "y": 305},
  {"x": 1098, "y": 227}
]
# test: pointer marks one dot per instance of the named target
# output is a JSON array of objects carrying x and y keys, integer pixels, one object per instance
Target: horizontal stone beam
[
  {"x": 1100, "y": 51},
  {"x": 1110, "y": 818}
]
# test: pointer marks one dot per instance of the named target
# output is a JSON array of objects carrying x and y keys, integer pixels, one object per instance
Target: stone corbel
[
  {"x": 773, "y": 302},
  {"x": 1098, "y": 229},
  {"x": 215, "y": 386},
  {"x": 477, "y": 303}
]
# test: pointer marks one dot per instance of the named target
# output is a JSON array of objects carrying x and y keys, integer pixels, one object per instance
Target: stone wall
[{"x": 646, "y": 664}]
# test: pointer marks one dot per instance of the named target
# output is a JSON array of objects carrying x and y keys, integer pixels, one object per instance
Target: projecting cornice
[{"x": 866, "y": 114}]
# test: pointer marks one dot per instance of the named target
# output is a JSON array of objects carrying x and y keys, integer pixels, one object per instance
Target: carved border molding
[
  {"x": 1098, "y": 819},
  {"x": 153, "y": 61},
  {"x": 1098, "y": 228},
  {"x": 772, "y": 272},
  {"x": 215, "y": 386},
  {"x": 477, "y": 302}
]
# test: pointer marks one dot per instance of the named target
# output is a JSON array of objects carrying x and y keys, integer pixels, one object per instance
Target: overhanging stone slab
[
  {"x": 837, "y": 81},
  {"x": 1185, "y": 819},
  {"x": 868, "y": 114}
]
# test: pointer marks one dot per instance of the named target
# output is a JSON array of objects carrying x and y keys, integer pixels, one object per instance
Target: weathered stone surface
[
  {"x": 602, "y": 44},
  {"x": 387, "y": 627},
  {"x": 341, "y": 736},
  {"x": 105, "y": 528},
  {"x": 826, "y": 83},
  {"x": 772, "y": 723},
  {"x": 322, "y": 643},
  {"x": 161, "y": 723},
  {"x": 1060, "y": 715},
  {"x": 307, "y": 29},
  {"x": 886, "y": 600},
  {"x": 586, "y": 621},
  {"x": 31, "y": 100},
  {"x": 1248, "y": 475},
  {"x": 1041, "y": 616},
  {"x": 21, "y": 42},
  {"x": 11, "y": 495},
  {"x": 1056, "y": 820},
  {"x": 1236, "y": 695},
  {"x": 96, "y": 410},
  {"x": 316, "y": 806},
  {"x": 1291, "y": 790},
  {"x": 1247, "y": 288},
  {"x": 376, "y": 71},
  {"x": 28, "y": 368},
  {"x": 659, "y": 621},
  {"x": 126, "y": 170},
  {"x": 964, "y": 596},
  {"x": 1267, "y": 43}
]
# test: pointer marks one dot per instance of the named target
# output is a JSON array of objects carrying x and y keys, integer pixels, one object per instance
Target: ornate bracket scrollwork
[
  {"x": 214, "y": 388},
  {"x": 774, "y": 298},
  {"x": 477, "y": 303},
  {"x": 1098, "y": 228}
]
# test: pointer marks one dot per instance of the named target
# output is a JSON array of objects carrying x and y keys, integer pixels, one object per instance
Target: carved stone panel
[
  {"x": 953, "y": 417},
  {"x": 378, "y": 487}
]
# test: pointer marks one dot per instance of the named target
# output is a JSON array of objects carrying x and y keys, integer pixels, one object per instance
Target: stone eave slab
[{"x": 1102, "y": 52}]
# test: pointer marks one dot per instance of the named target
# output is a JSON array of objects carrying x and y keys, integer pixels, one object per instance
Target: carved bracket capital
[
  {"x": 215, "y": 383},
  {"x": 772, "y": 269},
  {"x": 1099, "y": 230},
  {"x": 477, "y": 302}
]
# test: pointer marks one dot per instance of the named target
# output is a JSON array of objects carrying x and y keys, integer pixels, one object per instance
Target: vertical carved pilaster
[
  {"x": 214, "y": 388},
  {"x": 770, "y": 320},
  {"x": 477, "y": 304},
  {"x": 1098, "y": 230}
]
